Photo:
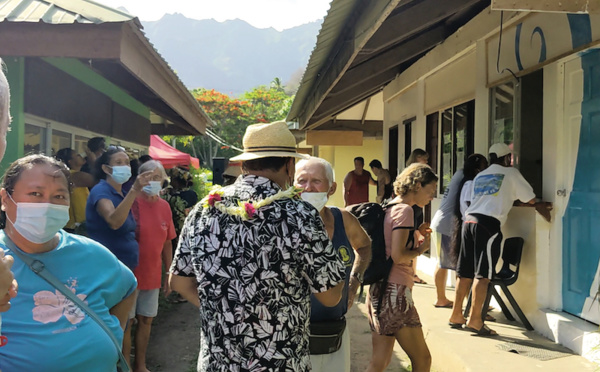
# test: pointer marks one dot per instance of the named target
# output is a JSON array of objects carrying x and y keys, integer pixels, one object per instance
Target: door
[
  {"x": 407, "y": 139},
  {"x": 393, "y": 152},
  {"x": 581, "y": 232}
]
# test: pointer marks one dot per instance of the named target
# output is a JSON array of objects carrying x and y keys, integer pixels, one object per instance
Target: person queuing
[
  {"x": 94, "y": 149},
  {"x": 447, "y": 221},
  {"x": 8, "y": 285},
  {"x": 108, "y": 212},
  {"x": 180, "y": 196},
  {"x": 154, "y": 233},
  {"x": 394, "y": 317},
  {"x": 44, "y": 330},
  {"x": 82, "y": 181},
  {"x": 385, "y": 189},
  {"x": 250, "y": 255},
  {"x": 494, "y": 191},
  {"x": 316, "y": 177},
  {"x": 419, "y": 156},
  {"x": 356, "y": 183}
]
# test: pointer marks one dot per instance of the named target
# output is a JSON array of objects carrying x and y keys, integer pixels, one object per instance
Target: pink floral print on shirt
[{"x": 50, "y": 307}]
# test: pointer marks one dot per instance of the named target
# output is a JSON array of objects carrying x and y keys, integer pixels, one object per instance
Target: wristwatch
[{"x": 360, "y": 277}]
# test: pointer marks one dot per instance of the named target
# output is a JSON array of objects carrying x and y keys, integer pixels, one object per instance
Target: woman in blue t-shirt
[
  {"x": 45, "y": 331},
  {"x": 108, "y": 210}
]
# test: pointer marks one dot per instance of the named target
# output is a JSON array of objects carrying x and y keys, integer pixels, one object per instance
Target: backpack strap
[
  {"x": 384, "y": 282},
  {"x": 39, "y": 268}
]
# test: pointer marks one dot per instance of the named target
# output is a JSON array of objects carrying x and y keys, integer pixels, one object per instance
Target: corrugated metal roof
[
  {"x": 331, "y": 29},
  {"x": 61, "y": 12},
  {"x": 57, "y": 12}
]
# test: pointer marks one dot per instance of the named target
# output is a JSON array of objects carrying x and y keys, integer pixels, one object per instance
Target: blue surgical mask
[
  {"x": 39, "y": 222},
  {"x": 121, "y": 173},
  {"x": 153, "y": 188}
]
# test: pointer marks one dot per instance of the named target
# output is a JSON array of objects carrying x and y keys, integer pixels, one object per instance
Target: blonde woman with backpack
[{"x": 397, "y": 318}]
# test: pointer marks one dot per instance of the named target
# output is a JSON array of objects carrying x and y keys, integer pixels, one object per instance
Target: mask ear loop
[{"x": 16, "y": 205}]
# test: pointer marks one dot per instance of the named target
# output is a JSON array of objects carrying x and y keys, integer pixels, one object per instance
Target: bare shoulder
[{"x": 350, "y": 221}]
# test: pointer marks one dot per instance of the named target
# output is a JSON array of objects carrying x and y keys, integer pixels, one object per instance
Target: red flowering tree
[{"x": 231, "y": 116}]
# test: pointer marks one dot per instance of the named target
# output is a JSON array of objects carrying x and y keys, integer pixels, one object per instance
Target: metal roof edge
[{"x": 339, "y": 12}]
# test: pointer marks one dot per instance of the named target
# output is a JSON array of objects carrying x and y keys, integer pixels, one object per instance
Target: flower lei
[{"x": 245, "y": 209}]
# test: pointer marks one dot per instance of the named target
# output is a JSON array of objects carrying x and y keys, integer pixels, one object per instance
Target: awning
[
  {"x": 169, "y": 156},
  {"x": 111, "y": 43},
  {"x": 364, "y": 45}
]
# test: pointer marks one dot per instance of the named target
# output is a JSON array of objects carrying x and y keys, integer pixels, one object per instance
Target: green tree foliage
[{"x": 231, "y": 116}]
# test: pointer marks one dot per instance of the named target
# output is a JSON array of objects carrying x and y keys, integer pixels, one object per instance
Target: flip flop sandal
[
  {"x": 484, "y": 331},
  {"x": 447, "y": 306},
  {"x": 456, "y": 325},
  {"x": 489, "y": 318},
  {"x": 418, "y": 280}
]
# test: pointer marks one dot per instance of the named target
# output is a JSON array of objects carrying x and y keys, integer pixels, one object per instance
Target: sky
[{"x": 279, "y": 14}]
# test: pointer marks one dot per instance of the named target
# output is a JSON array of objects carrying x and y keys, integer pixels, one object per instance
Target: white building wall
[{"x": 459, "y": 70}]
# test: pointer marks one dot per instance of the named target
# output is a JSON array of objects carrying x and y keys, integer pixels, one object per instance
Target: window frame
[
  {"x": 49, "y": 125},
  {"x": 522, "y": 105},
  {"x": 516, "y": 111},
  {"x": 469, "y": 141}
]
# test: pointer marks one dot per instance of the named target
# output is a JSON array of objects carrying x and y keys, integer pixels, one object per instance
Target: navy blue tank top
[{"x": 319, "y": 312}]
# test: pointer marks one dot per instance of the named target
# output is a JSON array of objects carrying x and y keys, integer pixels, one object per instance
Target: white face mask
[
  {"x": 39, "y": 222},
  {"x": 317, "y": 199},
  {"x": 153, "y": 188}
]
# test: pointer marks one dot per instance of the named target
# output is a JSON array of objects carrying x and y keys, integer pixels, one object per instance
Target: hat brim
[{"x": 268, "y": 154}]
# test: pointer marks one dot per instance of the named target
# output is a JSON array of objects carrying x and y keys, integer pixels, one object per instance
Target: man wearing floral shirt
[{"x": 249, "y": 257}]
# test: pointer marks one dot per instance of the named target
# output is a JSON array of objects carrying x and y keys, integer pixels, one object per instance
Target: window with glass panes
[
  {"x": 456, "y": 139},
  {"x": 516, "y": 116}
]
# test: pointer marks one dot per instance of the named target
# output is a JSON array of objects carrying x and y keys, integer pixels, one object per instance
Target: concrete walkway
[{"x": 457, "y": 351}]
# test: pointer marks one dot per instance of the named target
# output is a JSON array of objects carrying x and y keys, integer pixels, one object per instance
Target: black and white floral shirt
[{"x": 255, "y": 278}]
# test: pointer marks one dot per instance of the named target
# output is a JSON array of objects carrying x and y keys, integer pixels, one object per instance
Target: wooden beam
[
  {"x": 334, "y": 105},
  {"x": 163, "y": 130},
  {"x": 353, "y": 125},
  {"x": 77, "y": 40},
  {"x": 334, "y": 138},
  {"x": 556, "y": 6},
  {"x": 370, "y": 128},
  {"x": 390, "y": 59},
  {"x": 366, "y": 110},
  {"x": 305, "y": 150},
  {"x": 110, "y": 41},
  {"x": 369, "y": 17},
  {"x": 141, "y": 60},
  {"x": 117, "y": 74},
  {"x": 410, "y": 20}
]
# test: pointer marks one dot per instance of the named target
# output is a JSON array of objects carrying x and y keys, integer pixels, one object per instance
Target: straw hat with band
[{"x": 268, "y": 140}]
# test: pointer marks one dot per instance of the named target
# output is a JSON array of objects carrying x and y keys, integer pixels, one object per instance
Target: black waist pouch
[{"x": 326, "y": 336}]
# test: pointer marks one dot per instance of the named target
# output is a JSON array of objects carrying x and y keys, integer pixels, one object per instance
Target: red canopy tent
[{"x": 169, "y": 156}]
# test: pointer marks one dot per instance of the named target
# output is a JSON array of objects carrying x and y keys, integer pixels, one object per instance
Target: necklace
[{"x": 245, "y": 209}]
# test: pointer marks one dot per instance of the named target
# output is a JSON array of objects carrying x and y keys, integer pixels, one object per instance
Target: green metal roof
[
  {"x": 61, "y": 12},
  {"x": 331, "y": 29}
]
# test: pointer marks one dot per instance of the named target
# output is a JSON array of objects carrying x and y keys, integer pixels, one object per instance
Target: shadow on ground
[{"x": 174, "y": 342}]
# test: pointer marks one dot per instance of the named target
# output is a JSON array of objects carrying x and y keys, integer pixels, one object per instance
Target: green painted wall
[
  {"x": 83, "y": 73},
  {"x": 15, "y": 138}
]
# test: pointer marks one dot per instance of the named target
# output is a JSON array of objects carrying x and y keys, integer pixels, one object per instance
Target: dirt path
[{"x": 175, "y": 341}]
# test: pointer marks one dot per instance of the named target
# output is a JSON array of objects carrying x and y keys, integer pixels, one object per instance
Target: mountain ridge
[{"x": 231, "y": 56}]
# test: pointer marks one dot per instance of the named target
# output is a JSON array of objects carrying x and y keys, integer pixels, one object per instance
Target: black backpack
[{"x": 371, "y": 216}]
